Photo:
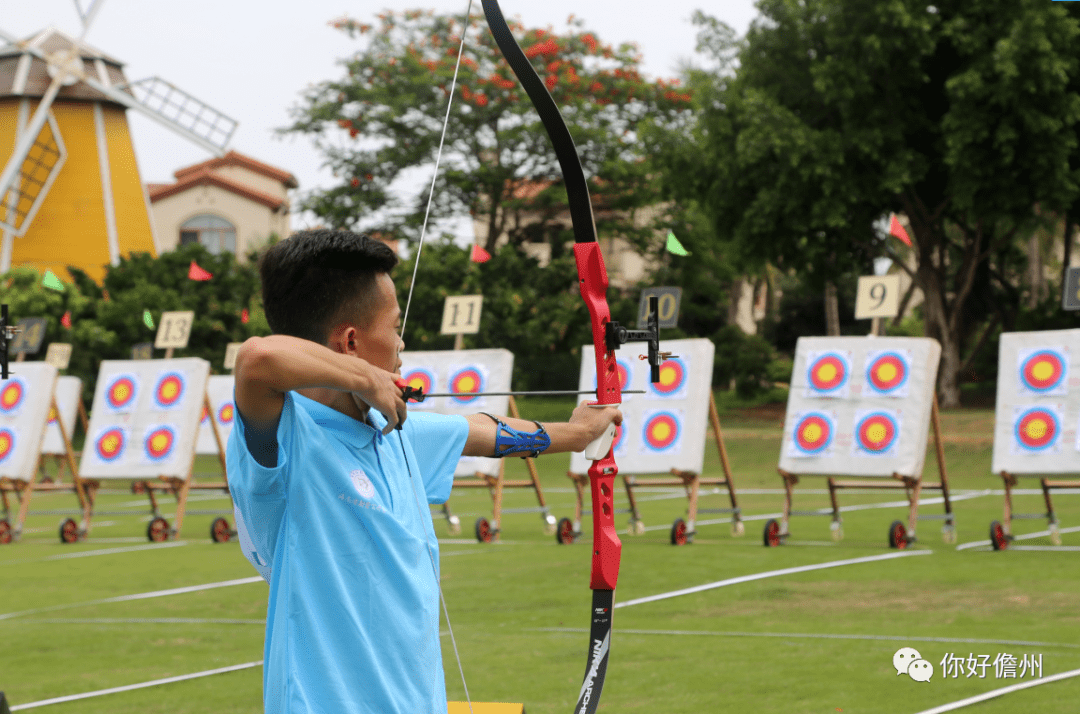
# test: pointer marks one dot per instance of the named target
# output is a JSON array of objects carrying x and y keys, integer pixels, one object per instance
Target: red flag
[
  {"x": 197, "y": 273},
  {"x": 479, "y": 255},
  {"x": 66, "y": 319},
  {"x": 895, "y": 229},
  {"x": 244, "y": 316}
]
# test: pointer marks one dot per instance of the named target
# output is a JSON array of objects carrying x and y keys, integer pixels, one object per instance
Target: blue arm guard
[{"x": 511, "y": 442}]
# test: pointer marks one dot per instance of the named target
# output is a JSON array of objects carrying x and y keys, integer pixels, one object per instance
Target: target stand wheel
[
  {"x": 138, "y": 487},
  {"x": 158, "y": 530},
  {"x": 564, "y": 532},
  {"x": 679, "y": 534},
  {"x": 220, "y": 532},
  {"x": 69, "y": 531},
  {"x": 48, "y": 479},
  {"x": 999, "y": 540},
  {"x": 898, "y": 535},
  {"x": 484, "y": 532},
  {"x": 5, "y": 532},
  {"x": 771, "y": 535}
]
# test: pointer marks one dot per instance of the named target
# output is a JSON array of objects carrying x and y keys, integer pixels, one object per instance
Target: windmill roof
[
  {"x": 235, "y": 158},
  {"x": 23, "y": 74},
  {"x": 52, "y": 40},
  {"x": 206, "y": 177}
]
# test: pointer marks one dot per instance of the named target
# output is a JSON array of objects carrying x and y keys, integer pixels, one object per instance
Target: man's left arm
[{"x": 586, "y": 424}]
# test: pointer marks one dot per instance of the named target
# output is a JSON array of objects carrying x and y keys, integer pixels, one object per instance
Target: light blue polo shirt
[{"x": 352, "y": 624}]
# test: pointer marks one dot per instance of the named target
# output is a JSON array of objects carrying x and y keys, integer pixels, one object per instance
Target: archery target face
[
  {"x": 1036, "y": 430},
  {"x": 626, "y": 375},
  {"x": 7, "y": 443},
  {"x": 52, "y": 415},
  {"x": 888, "y": 373},
  {"x": 673, "y": 378},
  {"x": 618, "y": 444},
  {"x": 226, "y": 413},
  {"x": 110, "y": 444},
  {"x": 828, "y": 374},
  {"x": 121, "y": 393},
  {"x": 813, "y": 434},
  {"x": 12, "y": 396},
  {"x": 661, "y": 432},
  {"x": 1043, "y": 371},
  {"x": 465, "y": 380},
  {"x": 169, "y": 391},
  {"x": 422, "y": 379},
  {"x": 877, "y": 432},
  {"x": 158, "y": 442}
]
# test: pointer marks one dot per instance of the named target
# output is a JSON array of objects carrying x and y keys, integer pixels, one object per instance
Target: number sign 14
[{"x": 878, "y": 296}]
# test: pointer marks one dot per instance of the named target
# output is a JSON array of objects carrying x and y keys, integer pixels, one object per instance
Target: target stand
[
  {"x": 54, "y": 448},
  {"x": 900, "y": 534},
  {"x": 1036, "y": 422},
  {"x": 487, "y": 531}
]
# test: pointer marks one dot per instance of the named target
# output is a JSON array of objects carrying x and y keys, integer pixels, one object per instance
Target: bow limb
[{"x": 593, "y": 281}]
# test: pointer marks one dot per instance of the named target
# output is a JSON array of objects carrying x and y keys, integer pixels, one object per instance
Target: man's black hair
[{"x": 316, "y": 279}]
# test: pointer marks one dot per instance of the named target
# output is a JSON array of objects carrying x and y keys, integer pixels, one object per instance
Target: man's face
[{"x": 380, "y": 343}]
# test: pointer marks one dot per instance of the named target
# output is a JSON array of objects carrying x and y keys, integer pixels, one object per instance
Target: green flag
[
  {"x": 52, "y": 282},
  {"x": 674, "y": 246},
  {"x": 148, "y": 319}
]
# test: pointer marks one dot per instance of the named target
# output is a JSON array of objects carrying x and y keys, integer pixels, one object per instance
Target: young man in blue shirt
[{"x": 329, "y": 495}]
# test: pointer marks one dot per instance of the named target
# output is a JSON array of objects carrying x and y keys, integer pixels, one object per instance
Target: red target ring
[
  {"x": 1037, "y": 429},
  {"x": 110, "y": 445},
  {"x": 159, "y": 443},
  {"x": 661, "y": 431},
  {"x": 420, "y": 379},
  {"x": 7, "y": 443},
  {"x": 169, "y": 390},
  {"x": 226, "y": 413},
  {"x": 11, "y": 396},
  {"x": 1043, "y": 371},
  {"x": 121, "y": 393},
  {"x": 466, "y": 381},
  {"x": 813, "y": 433},
  {"x": 828, "y": 373},
  {"x": 672, "y": 377},
  {"x": 876, "y": 432},
  {"x": 887, "y": 372}
]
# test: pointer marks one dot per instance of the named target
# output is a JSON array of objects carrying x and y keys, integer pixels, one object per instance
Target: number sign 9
[{"x": 878, "y": 296}]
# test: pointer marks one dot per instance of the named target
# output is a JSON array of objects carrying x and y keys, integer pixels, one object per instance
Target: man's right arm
[{"x": 267, "y": 367}]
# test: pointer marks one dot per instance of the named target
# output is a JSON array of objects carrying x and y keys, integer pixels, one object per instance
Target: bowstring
[
  {"x": 438, "y": 159},
  {"x": 401, "y": 334}
]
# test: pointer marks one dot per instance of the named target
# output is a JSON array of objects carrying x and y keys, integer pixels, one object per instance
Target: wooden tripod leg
[
  {"x": 496, "y": 494},
  {"x": 85, "y": 501},
  {"x": 217, "y": 437},
  {"x": 692, "y": 484},
  {"x": 634, "y": 514},
  {"x": 1010, "y": 481},
  {"x": 914, "y": 490},
  {"x": 182, "y": 488},
  {"x": 939, "y": 449},
  {"x": 789, "y": 485},
  {"x": 714, "y": 418},
  {"x": 1051, "y": 517},
  {"x": 834, "y": 500},
  {"x": 577, "y": 480}
]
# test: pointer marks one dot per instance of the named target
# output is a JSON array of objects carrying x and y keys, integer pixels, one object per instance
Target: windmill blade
[
  {"x": 87, "y": 15},
  {"x": 26, "y": 141},
  {"x": 158, "y": 100},
  {"x": 32, "y": 177}
]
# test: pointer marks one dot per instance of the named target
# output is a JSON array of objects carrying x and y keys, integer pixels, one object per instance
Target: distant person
[{"x": 331, "y": 498}]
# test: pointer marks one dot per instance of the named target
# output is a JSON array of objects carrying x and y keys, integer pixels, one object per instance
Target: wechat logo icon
[{"x": 907, "y": 660}]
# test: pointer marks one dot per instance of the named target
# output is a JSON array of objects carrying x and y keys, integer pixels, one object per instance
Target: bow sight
[{"x": 615, "y": 335}]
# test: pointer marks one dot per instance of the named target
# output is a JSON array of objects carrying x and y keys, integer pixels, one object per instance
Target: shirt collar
[{"x": 353, "y": 432}]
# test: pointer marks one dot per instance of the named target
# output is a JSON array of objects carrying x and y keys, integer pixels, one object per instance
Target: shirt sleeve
[
  {"x": 437, "y": 440},
  {"x": 258, "y": 491}
]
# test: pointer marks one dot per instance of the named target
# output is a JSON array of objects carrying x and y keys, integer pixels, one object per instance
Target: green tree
[
  {"x": 385, "y": 116},
  {"x": 961, "y": 115}
]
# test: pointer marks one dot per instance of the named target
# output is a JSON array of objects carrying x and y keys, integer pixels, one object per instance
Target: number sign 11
[
  {"x": 461, "y": 315},
  {"x": 878, "y": 296}
]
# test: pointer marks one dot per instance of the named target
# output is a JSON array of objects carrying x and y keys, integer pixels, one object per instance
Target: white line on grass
[
  {"x": 800, "y": 635},
  {"x": 110, "y": 551},
  {"x": 773, "y": 574},
  {"x": 137, "y": 596},
  {"x": 146, "y": 620},
  {"x": 998, "y": 692},
  {"x": 140, "y": 685},
  {"x": 1026, "y": 536}
]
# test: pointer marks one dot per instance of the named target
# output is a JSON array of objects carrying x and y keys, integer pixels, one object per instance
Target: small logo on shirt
[{"x": 362, "y": 484}]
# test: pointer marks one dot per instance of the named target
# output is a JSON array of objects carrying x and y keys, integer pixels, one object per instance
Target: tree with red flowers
[{"x": 379, "y": 127}]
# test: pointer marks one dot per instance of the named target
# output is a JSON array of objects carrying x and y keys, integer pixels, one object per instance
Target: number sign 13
[
  {"x": 878, "y": 296},
  {"x": 174, "y": 330}
]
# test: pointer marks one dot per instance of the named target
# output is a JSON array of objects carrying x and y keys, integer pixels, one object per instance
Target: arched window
[{"x": 214, "y": 232}]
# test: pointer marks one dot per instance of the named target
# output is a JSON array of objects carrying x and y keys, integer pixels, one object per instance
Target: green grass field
[{"x": 812, "y": 642}]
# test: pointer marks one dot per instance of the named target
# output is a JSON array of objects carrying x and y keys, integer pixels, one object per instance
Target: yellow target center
[
  {"x": 667, "y": 377},
  {"x": 1037, "y": 428},
  {"x": 5, "y": 443},
  {"x": 1042, "y": 371},
  {"x": 661, "y": 431},
  {"x": 827, "y": 372},
  {"x": 110, "y": 443},
  {"x": 416, "y": 383},
  {"x": 169, "y": 390},
  {"x": 876, "y": 433},
  {"x": 121, "y": 392},
  {"x": 811, "y": 433},
  {"x": 159, "y": 442},
  {"x": 10, "y": 396},
  {"x": 887, "y": 372},
  {"x": 467, "y": 384}
]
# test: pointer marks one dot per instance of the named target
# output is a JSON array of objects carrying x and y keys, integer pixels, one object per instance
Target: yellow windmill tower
[{"x": 70, "y": 191}]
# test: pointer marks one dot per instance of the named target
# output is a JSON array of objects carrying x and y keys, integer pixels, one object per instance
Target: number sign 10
[{"x": 878, "y": 296}]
